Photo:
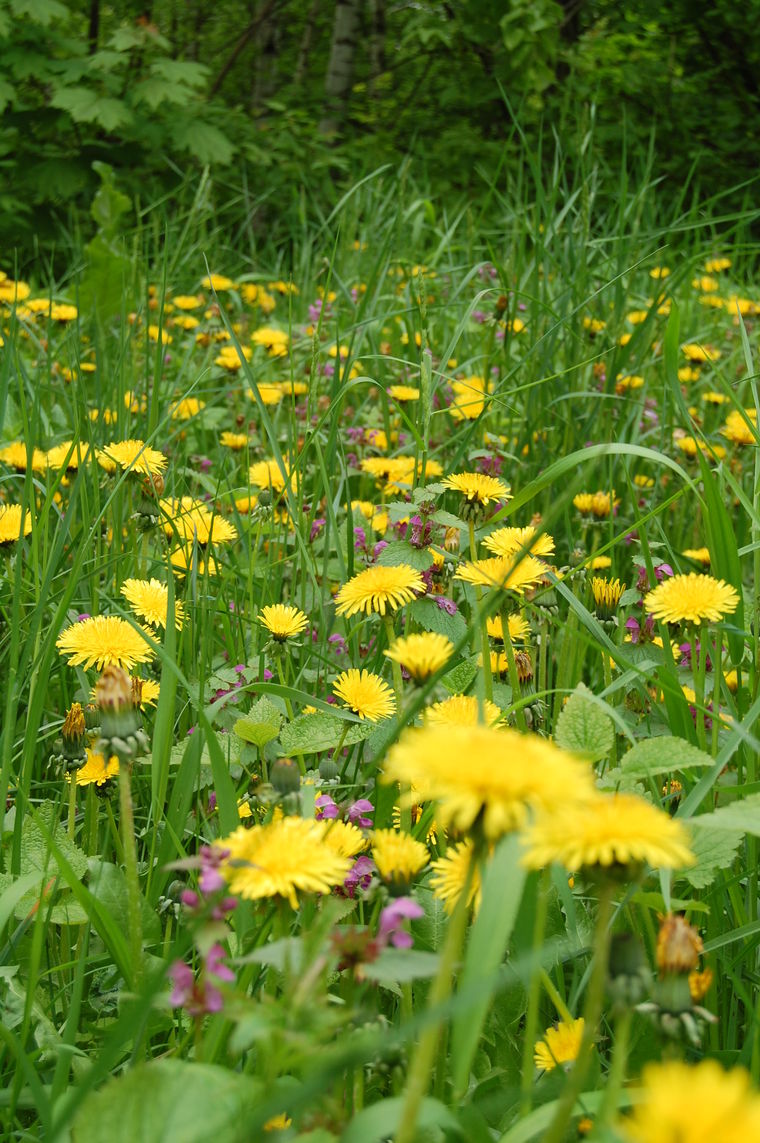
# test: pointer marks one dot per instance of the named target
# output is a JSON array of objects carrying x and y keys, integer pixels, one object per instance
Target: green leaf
[
  {"x": 402, "y": 552},
  {"x": 743, "y": 815},
  {"x": 205, "y": 142},
  {"x": 429, "y": 615},
  {"x": 583, "y": 727},
  {"x": 662, "y": 755},
  {"x": 35, "y": 852},
  {"x": 458, "y": 680},
  {"x": 260, "y": 725},
  {"x": 381, "y": 1121},
  {"x": 108, "y": 885},
  {"x": 39, "y": 872},
  {"x": 396, "y": 966},
  {"x": 715, "y": 851},
  {"x": 184, "y": 72},
  {"x": 312, "y": 733},
  {"x": 87, "y": 106},
  {"x": 503, "y": 882},
  {"x": 39, "y": 11},
  {"x": 154, "y": 91},
  {"x": 169, "y": 1099}
]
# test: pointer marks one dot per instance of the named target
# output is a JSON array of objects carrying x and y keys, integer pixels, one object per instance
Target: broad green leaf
[
  {"x": 401, "y": 965},
  {"x": 381, "y": 1121},
  {"x": 312, "y": 733},
  {"x": 743, "y": 814},
  {"x": 458, "y": 680},
  {"x": 169, "y": 1099},
  {"x": 154, "y": 91},
  {"x": 584, "y": 728},
  {"x": 185, "y": 72},
  {"x": 261, "y": 724},
  {"x": 662, "y": 755},
  {"x": 503, "y": 881},
  {"x": 715, "y": 851},
  {"x": 429, "y": 615},
  {"x": 205, "y": 142},
  {"x": 85, "y": 105},
  {"x": 39, "y": 11},
  {"x": 108, "y": 885},
  {"x": 402, "y": 552}
]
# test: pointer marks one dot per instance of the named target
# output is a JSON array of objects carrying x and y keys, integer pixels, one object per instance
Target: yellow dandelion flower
[
  {"x": 186, "y": 559},
  {"x": 504, "y": 775},
  {"x": 715, "y": 265},
  {"x": 450, "y": 875},
  {"x": 398, "y": 856},
  {"x": 278, "y": 1122},
  {"x": 468, "y": 396},
  {"x": 230, "y": 357},
  {"x": 606, "y": 593},
  {"x": 519, "y": 629},
  {"x": 268, "y": 474},
  {"x": 691, "y": 599},
  {"x": 235, "y": 441},
  {"x": 11, "y": 525},
  {"x": 187, "y": 408},
  {"x": 69, "y": 453},
  {"x": 190, "y": 519},
  {"x": 608, "y": 830},
  {"x": 475, "y": 486},
  {"x": 559, "y": 1046},
  {"x": 187, "y": 302},
  {"x": 365, "y": 694},
  {"x": 699, "y": 555},
  {"x": 135, "y": 456},
  {"x": 741, "y": 429},
  {"x": 421, "y": 655},
  {"x": 283, "y": 621},
  {"x": 598, "y": 504},
  {"x": 508, "y": 541},
  {"x": 700, "y": 353},
  {"x": 217, "y": 282},
  {"x": 345, "y": 838},
  {"x": 693, "y": 1103},
  {"x": 501, "y": 571},
  {"x": 96, "y": 770},
  {"x": 275, "y": 341},
  {"x": 659, "y": 272},
  {"x": 269, "y": 392},
  {"x": 688, "y": 373},
  {"x": 149, "y": 599},
  {"x": 403, "y": 392},
  {"x": 103, "y": 640},
  {"x": 280, "y": 859},
  {"x": 15, "y": 455},
  {"x": 380, "y": 589},
  {"x": 462, "y": 710}
]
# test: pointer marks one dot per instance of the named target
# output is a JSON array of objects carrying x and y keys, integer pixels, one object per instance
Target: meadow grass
[{"x": 549, "y": 350}]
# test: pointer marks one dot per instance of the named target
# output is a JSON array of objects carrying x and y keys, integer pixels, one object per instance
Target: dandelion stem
[
  {"x": 422, "y": 1060},
  {"x": 534, "y": 995},
  {"x": 134, "y": 912}
]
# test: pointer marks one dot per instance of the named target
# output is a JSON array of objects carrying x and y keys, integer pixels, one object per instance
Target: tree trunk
[
  {"x": 306, "y": 41},
  {"x": 93, "y": 30},
  {"x": 376, "y": 43},
  {"x": 340, "y": 69}
]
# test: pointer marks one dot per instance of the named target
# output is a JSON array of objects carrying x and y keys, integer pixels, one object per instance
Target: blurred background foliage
[{"x": 285, "y": 103}]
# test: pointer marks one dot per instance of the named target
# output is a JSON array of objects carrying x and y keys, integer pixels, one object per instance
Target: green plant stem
[
  {"x": 591, "y": 1012},
  {"x": 72, "y": 804},
  {"x": 618, "y": 1066},
  {"x": 424, "y": 1055},
  {"x": 134, "y": 911},
  {"x": 607, "y": 672},
  {"x": 698, "y": 665},
  {"x": 514, "y": 681},
  {"x": 398, "y": 690},
  {"x": 534, "y": 996}
]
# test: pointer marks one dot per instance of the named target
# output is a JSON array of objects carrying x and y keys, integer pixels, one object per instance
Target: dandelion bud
[
  {"x": 678, "y": 946},
  {"x": 285, "y": 776}
]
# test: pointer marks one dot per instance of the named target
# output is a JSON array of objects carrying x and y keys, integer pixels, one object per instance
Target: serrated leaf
[
  {"x": 312, "y": 733},
  {"x": 458, "y": 680},
  {"x": 260, "y": 725},
  {"x": 169, "y": 1099},
  {"x": 583, "y": 727},
  {"x": 39, "y": 11},
  {"x": 35, "y": 854},
  {"x": 205, "y": 142},
  {"x": 715, "y": 851},
  {"x": 87, "y": 106},
  {"x": 402, "y": 552},
  {"x": 154, "y": 91},
  {"x": 662, "y": 755},
  {"x": 108, "y": 885},
  {"x": 742, "y": 815},
  {"x": 180, "y": 71},
  {"x": 429, "y": 615}
]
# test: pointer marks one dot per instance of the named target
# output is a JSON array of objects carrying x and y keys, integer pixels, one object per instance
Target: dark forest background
[{"x": 279, "y": 105}]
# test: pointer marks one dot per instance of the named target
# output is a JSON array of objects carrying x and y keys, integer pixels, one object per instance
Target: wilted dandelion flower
[
  {"x": 11, "y": 525},
  {"x": 611, "y": 830},
  {"x": 560, "y": 1045},
  {"x": 283, "y": 621},
  {"x": 135, "y": 456},
  {"x": 508, "y": 541},
  {"x": 398, "y": 856},
  {"x": 365, "y": 694},
  {"x": 502, "y": 571},
  {"x": 450, "y": 876},
  {"x": 149, "y": 599},
  {"x": 691, "y": 599},
  {"x": 102, "y": 641},
  {"x": 475, "y": 486},
  {"x": 379, "y": 589},
  {"x": 288, "y": 855},
  {"x": 462, "y": 710},
  {"x": 421, "y": 655},
  {"x": 693, "y": 1103},
  {"x": 485, "y": 777}
]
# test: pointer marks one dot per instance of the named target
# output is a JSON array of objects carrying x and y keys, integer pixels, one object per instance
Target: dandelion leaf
[
  {"x": 715, "y": 851},
  {"x": 312, "y": 733}
]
